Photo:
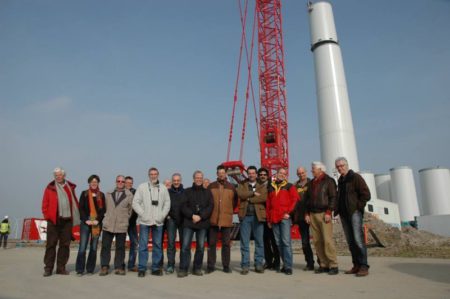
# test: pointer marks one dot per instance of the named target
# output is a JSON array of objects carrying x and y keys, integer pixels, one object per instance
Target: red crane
[{"x": 273, "y": 125}]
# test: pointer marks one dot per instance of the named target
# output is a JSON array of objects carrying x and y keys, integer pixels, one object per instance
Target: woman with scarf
[{"x": 92, "y": 210}]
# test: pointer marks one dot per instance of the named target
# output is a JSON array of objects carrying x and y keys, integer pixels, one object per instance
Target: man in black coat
[
  {"x": 196, "y": 212},
  {"x": 174, "y": 220},
  {"x": 353, "y": 194},
  {"x": 299, "y": 218}
]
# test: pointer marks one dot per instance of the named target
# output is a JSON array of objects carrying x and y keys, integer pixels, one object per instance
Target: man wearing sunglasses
[{"x": 115, "y": 225}]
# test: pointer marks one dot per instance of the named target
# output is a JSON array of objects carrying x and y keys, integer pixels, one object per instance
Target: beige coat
[
  {"x": 246, "y": 196},
  {"x": 117, "y": 215}
]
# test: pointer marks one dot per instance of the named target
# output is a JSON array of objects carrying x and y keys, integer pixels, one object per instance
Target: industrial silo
[
  {"x": 435, "y": 184},
  {"x": 403, "y": 192},
  {"x": 337, "y": 137},
  {"x": 383, "y": 185},
  {"x": 370, "y": 181}
]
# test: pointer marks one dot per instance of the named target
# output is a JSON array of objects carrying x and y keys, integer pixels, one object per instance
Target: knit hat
[{"x": 6, "y": 217}]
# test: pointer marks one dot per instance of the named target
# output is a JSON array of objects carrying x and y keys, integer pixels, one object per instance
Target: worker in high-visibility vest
[{"x": 5, "y": 230}]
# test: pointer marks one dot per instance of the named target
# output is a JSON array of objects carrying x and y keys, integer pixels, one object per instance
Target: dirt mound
[{"x": 407, "y": 242}]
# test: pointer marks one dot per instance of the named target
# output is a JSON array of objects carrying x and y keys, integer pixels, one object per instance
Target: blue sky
[{"x": 111, "y": 87}]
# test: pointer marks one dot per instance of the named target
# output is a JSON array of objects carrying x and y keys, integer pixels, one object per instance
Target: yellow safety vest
[{"x": 4, "y": 228}]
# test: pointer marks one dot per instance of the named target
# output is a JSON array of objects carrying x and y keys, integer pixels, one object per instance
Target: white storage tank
[
  {"x": 435, "y": 184},
  {"x": 370, "y": 181},
  {"x": 403, "y": 192},
  {"x": 383, "y": 185}
]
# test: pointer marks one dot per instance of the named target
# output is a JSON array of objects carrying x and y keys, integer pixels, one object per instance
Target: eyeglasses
[
  {"x": 120, "y": 181},
  {"x": 339, "y": 166},
  {"x": 263, "y": 174}
]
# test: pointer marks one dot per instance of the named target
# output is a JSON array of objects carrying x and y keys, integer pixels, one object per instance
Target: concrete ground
[{"x": 21, "y": 277}]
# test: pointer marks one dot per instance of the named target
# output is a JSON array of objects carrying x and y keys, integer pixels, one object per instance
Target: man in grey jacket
[
  {"x": 152, "y": 204},
  {"x": 115, "y": 224}
]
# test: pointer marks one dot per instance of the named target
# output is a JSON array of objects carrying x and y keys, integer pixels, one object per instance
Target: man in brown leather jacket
[
  {"x": 225, "y": 200},
  {"x": 320, "y": 204}
]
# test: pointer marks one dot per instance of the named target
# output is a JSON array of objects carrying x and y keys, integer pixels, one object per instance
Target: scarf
[
  {"x": 63, "y": 197},
  {"x": 93, "y": 213}
]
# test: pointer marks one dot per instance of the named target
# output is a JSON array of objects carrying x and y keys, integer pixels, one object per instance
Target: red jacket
[
  {"x": 50, "y": 201},
  {"x": 281, "y": 200}
]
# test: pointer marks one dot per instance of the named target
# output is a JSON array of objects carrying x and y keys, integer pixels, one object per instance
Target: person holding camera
[{"x": 152, "y": 204}]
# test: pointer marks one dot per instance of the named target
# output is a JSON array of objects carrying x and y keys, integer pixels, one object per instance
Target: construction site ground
[{"x": 21, "y": 271}]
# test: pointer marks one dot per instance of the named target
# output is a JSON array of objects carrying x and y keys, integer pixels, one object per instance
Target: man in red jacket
[
  {"x": 60, "y": 209},
  {"x": 280, "y": 203}
]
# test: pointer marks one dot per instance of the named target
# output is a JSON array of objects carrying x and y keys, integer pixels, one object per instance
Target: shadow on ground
[{"x": 433, "y": 272}]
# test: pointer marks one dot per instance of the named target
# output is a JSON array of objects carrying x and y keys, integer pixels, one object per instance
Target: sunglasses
[{"x": 120, "y": 181}]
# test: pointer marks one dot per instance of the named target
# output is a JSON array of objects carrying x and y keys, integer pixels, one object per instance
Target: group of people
[{"x": 267, "y": 208}]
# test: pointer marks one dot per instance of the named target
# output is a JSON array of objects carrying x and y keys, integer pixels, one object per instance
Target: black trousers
[
  {"x": 212, "y": 244},
  {"x": 271, "y": 253},
  {"x": 61, "y": 233},
  {"x": 105, "y": 255},
  {"x": 306, "y": 243}
]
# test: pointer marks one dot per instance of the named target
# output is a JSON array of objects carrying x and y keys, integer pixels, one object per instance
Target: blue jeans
[
  {"x": 157, "y": 252},
  {"x": 200, "y": 235},
  {"x": 172, "y": 228},
  {"x": 134, "y": 243},
  {"x": 282, "y": 232},
  {"x": 4, "y": 240},
  {"x": 248, "y": 225},
  {"x": 85, "y": 237},
  {"x": 353, "y": 229}
]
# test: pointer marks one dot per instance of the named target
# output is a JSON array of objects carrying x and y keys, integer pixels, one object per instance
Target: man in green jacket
[{"x": 252, "y": 215}]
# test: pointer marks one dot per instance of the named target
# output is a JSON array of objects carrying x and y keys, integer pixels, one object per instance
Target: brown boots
[
  {"x": 359, "y": 271},
  {"x": 363, "y": 271},
  {"x": 104, "y": 271},
  {"x": 353, "y": 270}
]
